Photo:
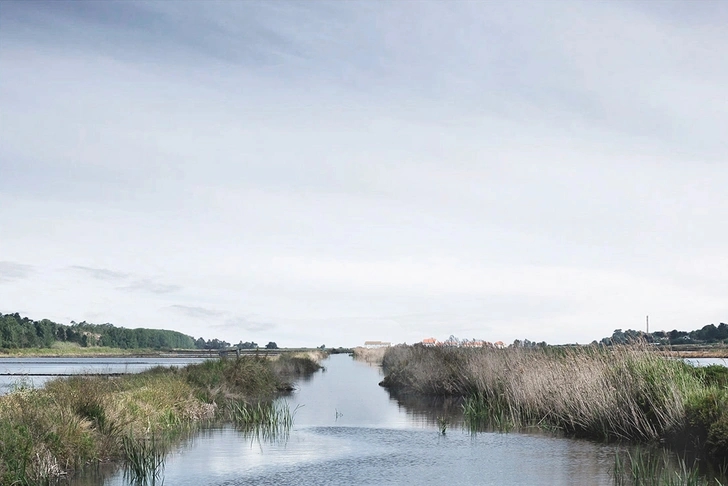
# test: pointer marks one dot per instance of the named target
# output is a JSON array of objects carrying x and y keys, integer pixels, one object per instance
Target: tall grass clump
[
  {"x": 621, "y": 392},
  {"x": 143, "y": 459},
  {"x": 261, "y": 414},
  {"x": 15, "y": 454},
  {"x": 267, "y": 421},
  {"x": 249, "y": 376},
  {"x": 641, "y": 467},
  {"x": 300, "y": 364},
  {"x": 53, "y": 431}
]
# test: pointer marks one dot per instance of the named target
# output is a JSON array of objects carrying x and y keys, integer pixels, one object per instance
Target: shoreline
[{"x": 696, "y": 355}]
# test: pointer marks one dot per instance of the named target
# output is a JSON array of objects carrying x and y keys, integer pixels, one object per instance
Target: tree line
[
  {"x": 709, "y": 334},
  {"x": 22, "y": 332},
  {"x": 200, "y": 343}
]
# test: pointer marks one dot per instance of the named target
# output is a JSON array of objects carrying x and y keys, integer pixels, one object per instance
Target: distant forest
[
  {"x": 710, "y": 334},
  {"x": 22, "y": 332}
]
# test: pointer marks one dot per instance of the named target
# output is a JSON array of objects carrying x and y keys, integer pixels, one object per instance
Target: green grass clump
[
  {"x": 15, "y": 453},
  {"x": 482, "y": 413},
  {"x": 648, "y": 467},
  {"x": 442, "y": 424},
  {"x": 261, "y": 414},
  {"x": 706, "y": 422},
  {"x": 291, "y": 365},
  {"x": 143, "y": 459},
  {"x": 713, "y": 375},
  {"x": 265, "y": 421}
]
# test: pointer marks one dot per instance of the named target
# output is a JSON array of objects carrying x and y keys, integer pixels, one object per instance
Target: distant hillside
[
  {"x": 709, "y": 334},
  {"x": 22, "y": 332}
]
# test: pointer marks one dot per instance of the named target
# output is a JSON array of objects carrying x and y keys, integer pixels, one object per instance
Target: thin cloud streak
[
  {"x": 100, "y": 273},
  {"x": 195, "y": 312},
  {"x": 10, "y": 271},
  {"x": 147, "y": 285}
]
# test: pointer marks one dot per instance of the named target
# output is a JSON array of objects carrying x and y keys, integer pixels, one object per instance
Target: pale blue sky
[{"x": 333, "y": 172}]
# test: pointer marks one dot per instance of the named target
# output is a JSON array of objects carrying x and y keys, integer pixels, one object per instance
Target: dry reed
[
  {"x": 370, "y": 355},
  {"x": 622, "y": 392}
]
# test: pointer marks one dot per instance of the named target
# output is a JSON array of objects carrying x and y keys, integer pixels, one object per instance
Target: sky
[{"x": 318, "y": 172}]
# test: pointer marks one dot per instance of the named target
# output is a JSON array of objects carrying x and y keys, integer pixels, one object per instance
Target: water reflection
[{"x": 426, "y": 411}]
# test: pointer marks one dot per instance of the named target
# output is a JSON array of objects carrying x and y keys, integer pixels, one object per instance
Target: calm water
[
  {"x": 708, "y": 361},
  {"x": 33, "y": 371}
]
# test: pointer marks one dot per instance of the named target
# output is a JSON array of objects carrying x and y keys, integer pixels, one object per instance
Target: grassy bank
[
  {"x": 64, "y": 349},
  {"x": 625, "y": 393},
  {"x": 699, "y": 350},
  {"x": 61, "y": 349},
  {"x": 71, "y": 422}
]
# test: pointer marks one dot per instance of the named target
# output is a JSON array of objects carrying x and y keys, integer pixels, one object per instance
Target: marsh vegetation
[
  {"x": 369, "y": 355},
  {"x": 609, "y": 393},
  {"x": 657, "y": 467},
  {"x": 134, "y": 419}
]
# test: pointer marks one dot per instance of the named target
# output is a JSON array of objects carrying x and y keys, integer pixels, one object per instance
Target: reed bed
[
  {"x": 296, "y": 364},
  {"x": 370, "y": 355},
  {"x": 644, "y": 467},
  {"x": 622, "y": 392},
  {"x": 262, "y": 421},
  {"x": 71, "y": 422},
  {"x": 262, "y": 414},
  {"x": 143, "y": 459}
]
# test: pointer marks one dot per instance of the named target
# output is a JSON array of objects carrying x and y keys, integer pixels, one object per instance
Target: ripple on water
[{"x": 352, "y": 455}]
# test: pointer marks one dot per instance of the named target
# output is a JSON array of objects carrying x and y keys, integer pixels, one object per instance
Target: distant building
[
  {"x": 429, "y": 342},
  {"x": 499, "y": 344}
]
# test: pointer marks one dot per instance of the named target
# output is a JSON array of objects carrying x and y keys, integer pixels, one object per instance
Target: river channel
[{"x": 348, "y": 430}]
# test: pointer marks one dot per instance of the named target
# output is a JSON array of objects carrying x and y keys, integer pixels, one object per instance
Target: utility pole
[{"x": 648, "y": 324}]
